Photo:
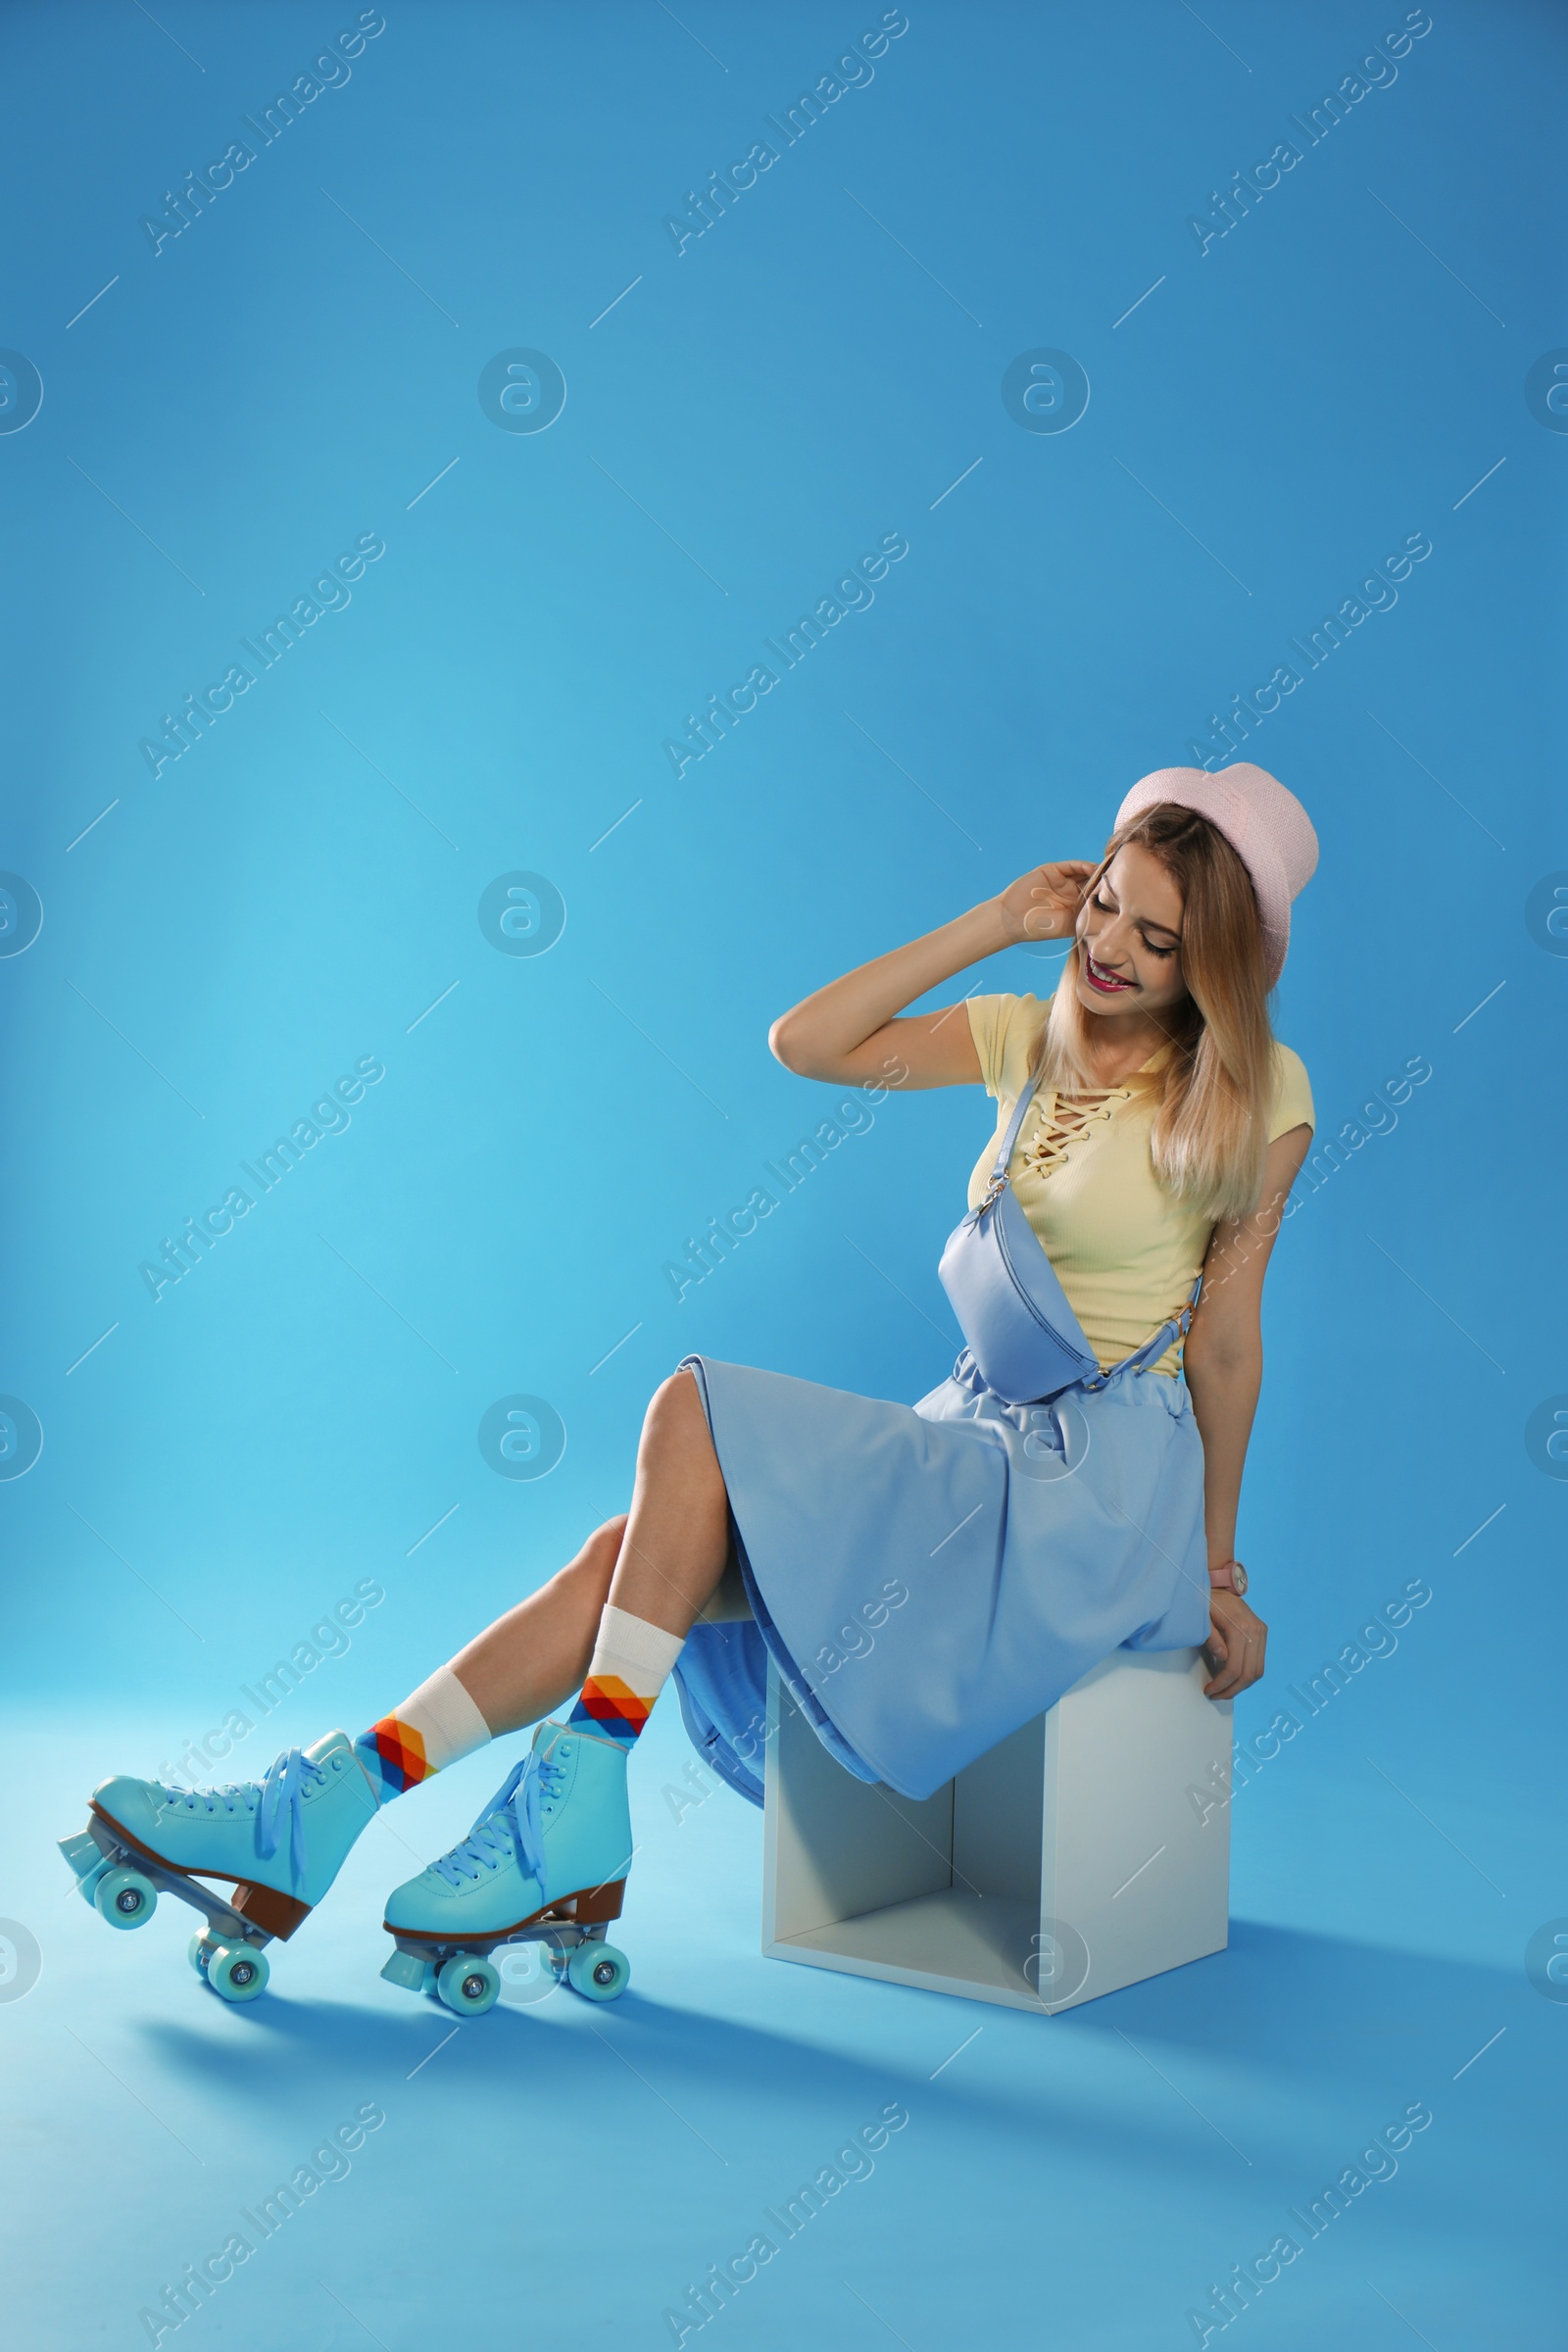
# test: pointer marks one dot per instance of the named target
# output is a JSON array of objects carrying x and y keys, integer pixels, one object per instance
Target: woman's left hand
[{"x": 1237, "y": 1642}]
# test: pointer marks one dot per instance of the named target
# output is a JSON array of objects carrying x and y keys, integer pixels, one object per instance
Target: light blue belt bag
[{"x": 1026, "y": 1341}]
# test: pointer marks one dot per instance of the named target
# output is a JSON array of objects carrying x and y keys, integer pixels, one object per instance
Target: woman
[{"x": 926, "y": 1578}]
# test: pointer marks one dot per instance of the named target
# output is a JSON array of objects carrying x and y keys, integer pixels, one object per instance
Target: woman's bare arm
[
  {"x": 1224, "y": 1367},
  {"x": 850, "y": 1031}
]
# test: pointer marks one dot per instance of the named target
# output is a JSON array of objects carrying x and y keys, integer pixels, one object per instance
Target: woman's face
[{"x": 1129, "y": 934}]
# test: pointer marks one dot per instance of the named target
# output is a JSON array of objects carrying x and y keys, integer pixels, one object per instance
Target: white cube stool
[{"x": 1069, "y": 1861}]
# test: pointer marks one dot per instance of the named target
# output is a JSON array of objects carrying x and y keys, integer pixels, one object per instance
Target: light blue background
[{"x": 757, "y": 411}]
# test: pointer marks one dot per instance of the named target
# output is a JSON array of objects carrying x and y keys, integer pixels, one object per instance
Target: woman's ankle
[{"x": 435, "y": 1726}]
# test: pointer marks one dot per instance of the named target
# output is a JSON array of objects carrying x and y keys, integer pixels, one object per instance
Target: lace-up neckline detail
[{"x": 1063, "y": 1118}]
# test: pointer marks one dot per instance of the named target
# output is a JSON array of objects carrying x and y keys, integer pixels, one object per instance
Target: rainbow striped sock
[{"x": 628, "y": 1669}]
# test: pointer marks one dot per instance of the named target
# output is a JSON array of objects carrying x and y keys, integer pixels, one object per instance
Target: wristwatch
[{"x": 1229, "y": 1576}]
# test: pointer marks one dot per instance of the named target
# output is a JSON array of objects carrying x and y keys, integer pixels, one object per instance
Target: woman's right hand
[
  {"x": 854, "y": 1032},
  {"x": 1044, "y": 903}
]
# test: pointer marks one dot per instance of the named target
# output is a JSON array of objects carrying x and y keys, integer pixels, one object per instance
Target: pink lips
[{"x": 1109, "y": 986}]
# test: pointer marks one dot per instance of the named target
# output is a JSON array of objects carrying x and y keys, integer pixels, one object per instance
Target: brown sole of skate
[
  {"x": 273, "y": 1913},
  {"x": 589, "y": 1907}
]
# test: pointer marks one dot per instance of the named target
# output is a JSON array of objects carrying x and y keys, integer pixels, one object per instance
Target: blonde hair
[{"x": 1214, "y": 1089}]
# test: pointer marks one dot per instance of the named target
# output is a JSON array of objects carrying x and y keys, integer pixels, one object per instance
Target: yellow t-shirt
[{"x": 1126, "y": 1250}]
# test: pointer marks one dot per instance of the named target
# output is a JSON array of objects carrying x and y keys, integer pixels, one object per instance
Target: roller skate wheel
[
  {"x": 598, "y": 1972},
  {"x": 469, "y": 1985},
  {"x": 237, "y": 1971},
  {"x": 200, "y": 1950},
  {"x": 125, "y": 1898}
]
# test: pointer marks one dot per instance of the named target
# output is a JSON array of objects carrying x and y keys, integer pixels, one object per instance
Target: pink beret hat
[{"x": 1265, "y": 826}]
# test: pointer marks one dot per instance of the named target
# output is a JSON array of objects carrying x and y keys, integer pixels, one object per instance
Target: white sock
[{"x": 631, "y": 1665}]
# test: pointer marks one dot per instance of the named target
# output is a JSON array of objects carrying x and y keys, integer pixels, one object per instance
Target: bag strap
[
  {"x": 998, "y": 1174},
  {"x": 1176, "y": 1328}
]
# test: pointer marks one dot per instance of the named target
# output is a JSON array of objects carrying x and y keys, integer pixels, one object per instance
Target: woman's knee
[
  {"x": 674, "y": 1415},
  {"x": 594, "y": 1565},
  {"x": 676, "y": 1433}
]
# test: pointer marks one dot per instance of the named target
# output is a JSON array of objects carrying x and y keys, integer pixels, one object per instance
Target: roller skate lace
[
  {"x": 281, "y": 1787},
  {"x": 515, "y": 1812}
]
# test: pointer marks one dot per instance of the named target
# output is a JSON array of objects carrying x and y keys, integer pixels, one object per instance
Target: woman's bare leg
[
  {"x": 527, "y": 1662},
  {"x": 677, "y": 1535},
  {"x": 663, "y": 1563}
]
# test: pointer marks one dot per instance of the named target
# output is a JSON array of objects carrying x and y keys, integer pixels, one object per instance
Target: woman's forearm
[
  {"x": 1225, "y": 1392},
  {"x": 818, "y": 1036}
]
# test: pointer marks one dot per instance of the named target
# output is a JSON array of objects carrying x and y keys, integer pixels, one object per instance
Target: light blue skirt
[{"x": 926, "y": 1578}]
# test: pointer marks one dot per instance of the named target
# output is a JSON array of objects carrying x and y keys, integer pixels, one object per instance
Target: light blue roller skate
[
  {"x": 546, "y": 1861},
  {"x": 281, "y": 1841}
]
